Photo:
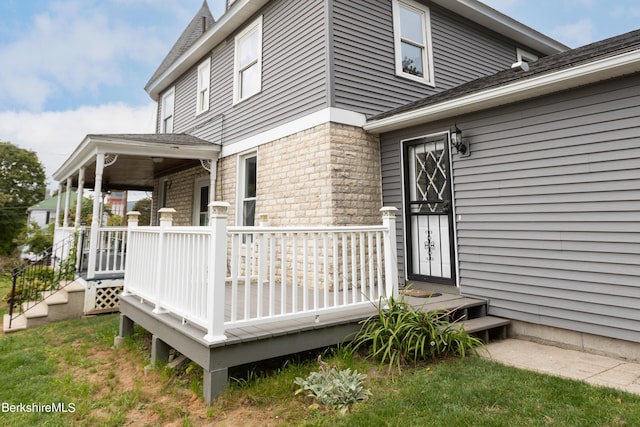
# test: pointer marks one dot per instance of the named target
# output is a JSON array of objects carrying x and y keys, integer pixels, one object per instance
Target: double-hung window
[
  {"x": 248, "y": 180},
  {"x": 204, "y": 79},
  {"x": 166, "y": 111},
  {"x": 247, "y": 80},
  {"x": 412, "y": 33}
]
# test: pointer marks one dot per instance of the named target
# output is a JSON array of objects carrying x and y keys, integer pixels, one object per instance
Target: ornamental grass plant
[{"x": 400, "y": 334}]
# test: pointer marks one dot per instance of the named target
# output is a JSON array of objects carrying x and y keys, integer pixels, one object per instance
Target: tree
[
  {"x": 144, "y": 207},
  {"x": 22, "y": 184}
]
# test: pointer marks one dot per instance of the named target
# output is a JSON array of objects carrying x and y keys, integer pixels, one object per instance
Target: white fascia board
[
  {"x": 238, "y": 14},
  {"x": 545, "y": 84},
  {"x": 331, "y": 114},
  {"x": 503, "y": 24}
]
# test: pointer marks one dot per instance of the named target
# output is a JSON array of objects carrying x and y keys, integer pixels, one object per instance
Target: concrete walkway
[{"x": 591, "y": 368}]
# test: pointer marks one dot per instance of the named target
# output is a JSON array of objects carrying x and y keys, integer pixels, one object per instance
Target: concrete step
[
  {"x": 18, "y": 324},
  {"x": 66, "y": 303}
]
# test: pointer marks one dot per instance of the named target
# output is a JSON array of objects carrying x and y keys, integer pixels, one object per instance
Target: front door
[{"x": 429, "y": 213}]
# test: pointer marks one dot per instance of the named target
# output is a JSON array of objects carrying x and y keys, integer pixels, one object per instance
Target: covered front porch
[{"x": 121, "y": 162}]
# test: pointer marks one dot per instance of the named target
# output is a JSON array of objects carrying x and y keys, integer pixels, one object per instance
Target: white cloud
[
  {"x": 54, "y": 135},
  {"x": 575, "y": 34},
  {"x": 73, "y": 46}
]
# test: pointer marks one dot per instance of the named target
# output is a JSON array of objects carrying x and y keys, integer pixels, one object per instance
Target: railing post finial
[
  {"x": 166, "y": 216},
  {"x": 132, "y": 218}
]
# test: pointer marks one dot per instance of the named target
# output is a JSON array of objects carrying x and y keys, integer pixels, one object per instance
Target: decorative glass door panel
[{"x": 428, "y": 200}]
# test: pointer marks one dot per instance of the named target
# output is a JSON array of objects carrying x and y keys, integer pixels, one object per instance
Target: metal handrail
[{"x": 51, "y": 267}]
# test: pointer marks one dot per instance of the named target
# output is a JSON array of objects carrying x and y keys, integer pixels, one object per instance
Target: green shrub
[
  {"x": 400, "y": 334},
  {"x": 337, "y": 389}
]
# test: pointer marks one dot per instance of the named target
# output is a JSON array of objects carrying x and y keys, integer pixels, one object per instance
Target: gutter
[{"x": 603, "y": 69}]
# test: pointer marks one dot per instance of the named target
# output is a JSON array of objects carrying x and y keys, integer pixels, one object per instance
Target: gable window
[
  {"x": 247, "y": 80},
  {"x": 412, "y": 33},
  {"x": 247, "y": 180},
  {"x": 204, "y": 79},
  {"x": 166, "y": 111}
]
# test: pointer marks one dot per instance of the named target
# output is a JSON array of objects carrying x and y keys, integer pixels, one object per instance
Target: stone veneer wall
[
  {"x": 327, "y": 175},
  {"x": 180, "y": 195}
]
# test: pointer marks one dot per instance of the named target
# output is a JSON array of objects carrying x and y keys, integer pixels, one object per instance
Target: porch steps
[
  {"x": 66, "y": 303},
  {"x": 469, "y": 313}
]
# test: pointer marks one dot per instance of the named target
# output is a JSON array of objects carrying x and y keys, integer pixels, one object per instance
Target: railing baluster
[
  {"x": 283, "y": 274},
  {"x": 370, "y": 260},
  {"x": 272, "y": 274},
  {"x": 316, "y": 274},
  {"x": 325, "y": 302},
  {"x": 305, "y": 272},
  {"x": 235, "y": 261},
  {"x": 294, "y": 277},
  {"x": 336, "y": 283}
]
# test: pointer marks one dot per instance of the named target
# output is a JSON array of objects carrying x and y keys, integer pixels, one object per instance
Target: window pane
[
  {"x": 411, "y": 25},
  {"x": 248, "y": 49},
  {"x": 168, "y": 125},
  {"x": 412, "y": 62},
  {"x": 249, "y": 213},
  {"x": 249, "y": 81},
  {"x": 250, "y": 177}
]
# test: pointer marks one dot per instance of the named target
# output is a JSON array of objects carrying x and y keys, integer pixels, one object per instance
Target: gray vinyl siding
[
  {"x": 294, "y": 83},
  {"x": 364, "y": 58},
  {"x": 547, "y": 208}
]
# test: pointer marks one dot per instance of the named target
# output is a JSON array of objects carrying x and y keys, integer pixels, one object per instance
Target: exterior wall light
[{"x": 456, "y": 141}]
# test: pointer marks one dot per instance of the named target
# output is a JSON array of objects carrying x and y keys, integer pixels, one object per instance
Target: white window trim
[
  {"x": 204, "y": 84},
  {"x": 164, "y": 111},
  {"x": 203, "y": 181},
  {"x": 254, "y": 26},
  {"x": 428, "y": 77},
  {"x": 241, "y": 175}
]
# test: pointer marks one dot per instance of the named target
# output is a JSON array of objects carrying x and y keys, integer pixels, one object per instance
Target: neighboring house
[
  {"x": 540, "y": 214},
  {"x": 44, "y": 213},
  {"x": 319, "y": 112}
]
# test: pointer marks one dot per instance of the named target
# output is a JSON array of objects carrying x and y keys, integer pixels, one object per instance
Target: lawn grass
[
  {"x": 74, "y": 362},
  {"x": 5, "y": 286}
]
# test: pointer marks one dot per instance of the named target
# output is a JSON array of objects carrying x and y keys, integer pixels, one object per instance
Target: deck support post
[
  {"x": 214, "y": 382},
  {"x": 390, "y": 251},
  {"x": 125, "y": 330},
  {"x": 217, "y": 272},
  {"x": 159, "y": 351}
]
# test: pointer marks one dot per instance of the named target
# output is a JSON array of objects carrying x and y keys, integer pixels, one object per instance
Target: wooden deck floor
[{"x": 251, "y": 344}]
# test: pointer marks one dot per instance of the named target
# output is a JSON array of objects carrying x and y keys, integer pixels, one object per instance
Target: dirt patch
[{"x": 113, "y": 373}]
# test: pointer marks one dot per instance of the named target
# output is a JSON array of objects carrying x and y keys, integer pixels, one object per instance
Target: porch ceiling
[{"x": 141, "y": 158}]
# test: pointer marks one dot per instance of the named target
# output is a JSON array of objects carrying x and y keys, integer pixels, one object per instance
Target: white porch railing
[{"x": 255, "y": 274}]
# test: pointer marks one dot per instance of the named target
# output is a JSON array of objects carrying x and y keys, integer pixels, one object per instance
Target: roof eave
[
  {"x": 92, "y": 145},
  {"x": 503, "y": 24},
  {"x": 240, "y": 12},
  {"x": 607, "y": 68}
]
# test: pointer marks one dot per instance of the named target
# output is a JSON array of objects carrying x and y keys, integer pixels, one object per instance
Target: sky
[{"x": 69, "y": 68}]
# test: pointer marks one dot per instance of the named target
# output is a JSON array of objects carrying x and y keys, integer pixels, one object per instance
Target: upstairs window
[
  {"x": 204, "y": 79},
  {"x": 412, "y": 33},
  {"x": 166, "y": 111},
  {"x": 247, "y": 79}
]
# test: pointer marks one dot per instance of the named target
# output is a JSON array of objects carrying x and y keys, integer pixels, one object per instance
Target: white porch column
[
  {"x": 216, "y": 272},
  {"x": 58, "y": 203},
  {"x": 95, "y": 220},
  {"x": 390, "y": 251},
  {"x": 76, "y": 223},
  {"x": 67, "y": 201}
]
